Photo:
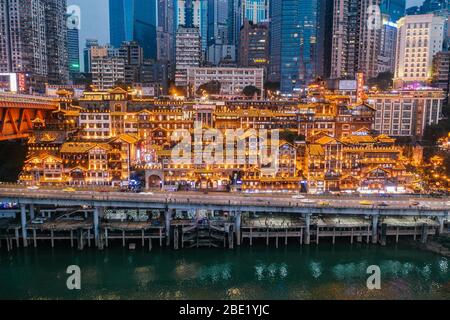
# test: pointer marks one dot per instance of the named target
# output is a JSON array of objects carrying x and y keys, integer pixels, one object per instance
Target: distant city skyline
[{"x": 96, "y": 26}]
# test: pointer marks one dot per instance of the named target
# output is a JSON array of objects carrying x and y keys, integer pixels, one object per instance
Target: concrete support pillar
[
  {"x": 307, "y": 228},
  {"x": 96, "y": 225},
  {"x": 383, "y": 234},
  {"x": 230, "y": 237},
  {"x": 424, "y": 233},
  {"x": 374, "y": 229},
  {"x": 23, "y": 221},
  {"x": 32, "y": 215},
  {"x": 441, "y": 225},
  {"x": 176, "y": 238},
  {"x": 237, "y": 227},
  {"x": 168, "y": 220}
]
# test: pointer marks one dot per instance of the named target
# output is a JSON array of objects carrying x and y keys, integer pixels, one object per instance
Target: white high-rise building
[
  {"x": 188, "y": 53},
  {"x": 232, "y": 80},
  {"x": 23, "y": 37},
  {"x": 107, "y": 67},
  {"x": 188, "y": 10},
  {"x": 419, "y": 38},
  {"x": 407, "y": 113}
]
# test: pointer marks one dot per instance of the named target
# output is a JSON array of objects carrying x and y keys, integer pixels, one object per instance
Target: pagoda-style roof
[
  {"x": 118, "y": 90},
  {"x": 316, "y": 150},
  {"x": 82, "y": 147},
  {"x": 327, "y": 140},
  {"x": 128, "y": 138}
]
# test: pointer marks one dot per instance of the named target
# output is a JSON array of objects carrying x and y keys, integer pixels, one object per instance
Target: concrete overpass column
[
  {"x": 32, "y": 215},
  {"x": 168, "y": 221},
  {"x": 23, "y": 220},
  {"x": 96, "y": 225},
  {"x": 441, "y": 225},
  {"x": 374, "y": 229},
  {"x": 307, "y": 228},
  {"x": 238, "y": 227}
]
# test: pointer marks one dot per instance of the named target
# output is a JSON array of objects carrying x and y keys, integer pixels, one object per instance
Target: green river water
[{"x": 293, "y": 272}]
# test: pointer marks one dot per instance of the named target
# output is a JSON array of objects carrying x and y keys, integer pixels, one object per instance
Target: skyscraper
[
  {"x": 434, "y": 5},
  {"x": 87, "y": 53},
  {"x": 193, "y": 14},
  {"x": 166, "y": 32},
  {"x": 357, "y": 39},
  {"x": 388, "y": 46},
  {"x": 23, "y": 45},
  {"x": 254, "y": 45},
  {"x": 255, "y": 10},
  {"x": 134, "y": 20},
  {"x": 419, "y": 38},
  {"x": 56, "y": 34},
  {"x": 217, "y": 21},
  {"x": 294, "y": 42},
  {"x": 188, "y": 53},
  {"x": 346, "y": 38},
  {"x": 73, "y": 50},
  {"x": 33, "y": 40},
  {"x": 325, "y": 37},
  {"x": 395, "y": 9},
  {"x": 234, "y": 21}
]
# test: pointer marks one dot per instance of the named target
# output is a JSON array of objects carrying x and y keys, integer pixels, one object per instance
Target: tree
[
  {"x": 212, "y": 87},
  {"x": 272, "y": 86},
  {"x": 291, "y": 136},
  {"x": 436, "y": 131},
  {"x": 250, "y": 91}
]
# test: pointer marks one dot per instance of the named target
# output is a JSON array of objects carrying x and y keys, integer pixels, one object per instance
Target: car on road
[
  {"x": 38, "y": 221},
  {"x": 366, "y": 203},
  {"x": 414, "y": 202},
  {"x": 308, "y": 201},
  {"x": 447, "y": 203},
  {"x": 298, "y": 196},
  {"x": 147, "y": 193},
  {"x": 383, "y": 204},
  {"x": 69, "y": 190},
  {"x": 324, "y": 203},
  {"x": 33, "y": 188}
]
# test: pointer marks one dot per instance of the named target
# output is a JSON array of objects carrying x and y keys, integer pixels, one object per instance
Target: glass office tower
[
  {"x": 134, "y": 20},
  {"x": 255, "y": 11},
  {"x": 295, "y": 27},
  {"x": 394, "y": 8}
]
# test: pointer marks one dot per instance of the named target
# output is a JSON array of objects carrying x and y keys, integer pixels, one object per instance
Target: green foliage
[
  {"x": 272, "y": 86},
  {"x": 434, "y": 132},
  {"x": 291, "y": 136},
  {"x": 250, "y": 91},
  {"x": 212, "y": 87}
]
